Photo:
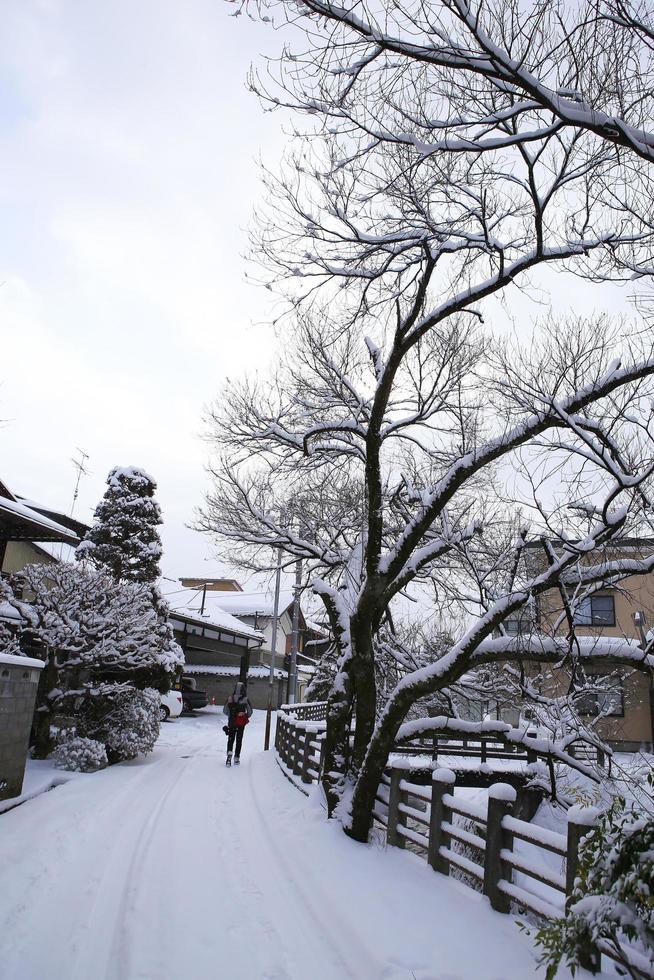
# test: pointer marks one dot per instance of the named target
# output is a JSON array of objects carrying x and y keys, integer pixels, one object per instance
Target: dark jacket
[{"x": 236, "y": 702}]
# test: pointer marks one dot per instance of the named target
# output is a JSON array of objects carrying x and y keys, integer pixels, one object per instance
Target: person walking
[{"x": 238, "y": 710}]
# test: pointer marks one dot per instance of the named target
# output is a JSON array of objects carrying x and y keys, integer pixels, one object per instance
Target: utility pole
[
  {"x": 641, "y": 621},
  {"x": 295, "y": 635},
  {"x": 273, "y": 644}
]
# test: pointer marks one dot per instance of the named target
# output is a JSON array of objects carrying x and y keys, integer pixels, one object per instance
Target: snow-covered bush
[
  {"x": 79, "y": 754},
  {"x": 95, "y": 630},
  {"x": 613, "y": 897},
  {"x": 124, "y": 719}
]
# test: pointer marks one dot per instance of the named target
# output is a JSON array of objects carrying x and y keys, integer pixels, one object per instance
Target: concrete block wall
[
  {"x": 19, "y": 678},
  {"x": 220, "y": 687}
]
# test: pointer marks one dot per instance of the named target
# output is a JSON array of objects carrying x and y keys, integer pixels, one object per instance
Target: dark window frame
[
  {"x": 593, "y": 617},
  {"x": 594, "y": 709}
]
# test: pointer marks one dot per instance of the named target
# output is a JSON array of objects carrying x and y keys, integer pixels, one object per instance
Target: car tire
[{"x": 164, "y": 713}]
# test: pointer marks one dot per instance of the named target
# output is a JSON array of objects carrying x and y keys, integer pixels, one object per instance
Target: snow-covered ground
[{"x": 174, "y": 866}]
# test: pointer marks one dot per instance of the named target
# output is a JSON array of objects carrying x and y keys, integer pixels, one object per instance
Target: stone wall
[{"x": 19, "y": 678}]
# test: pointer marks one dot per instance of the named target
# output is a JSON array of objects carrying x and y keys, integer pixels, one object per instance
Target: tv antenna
[{"x": 80, "y": 466}]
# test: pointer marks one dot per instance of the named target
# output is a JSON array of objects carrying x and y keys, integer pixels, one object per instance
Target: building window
[
  {"x": 596, "y": 610},
  {"x": 519, "y": 624},
  {"x": 607, "y": 699}
]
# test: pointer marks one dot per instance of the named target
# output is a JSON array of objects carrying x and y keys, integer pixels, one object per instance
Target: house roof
[
  {"x": 188, "y": 607},
  {"x": 251, "y": 603},
  {"x": 78, "y": 527},
  {"x": 19, "y": 522}
]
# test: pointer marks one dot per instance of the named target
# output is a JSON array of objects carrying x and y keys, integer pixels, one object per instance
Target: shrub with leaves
[
  {"x": 79, "y": 754},
  {"x": 613, "y": 897},
  {"x": 124, "y": 719}
]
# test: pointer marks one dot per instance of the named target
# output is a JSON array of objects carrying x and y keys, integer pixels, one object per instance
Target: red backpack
[{"x": 241, "y": 719}]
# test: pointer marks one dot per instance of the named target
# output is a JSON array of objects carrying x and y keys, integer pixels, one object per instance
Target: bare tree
[
  {"x": 428, "y": 182},
  {"x": 431, "y": 524}
]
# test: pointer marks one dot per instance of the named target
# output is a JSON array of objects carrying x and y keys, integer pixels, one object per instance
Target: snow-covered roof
[
  {"x": 35, "y": 524},
  {"x": 257, "y": 671},
  {"x": 213, "y": 615},
  {"x": 252, "y": 603},
  {"x": 54, "y": 514}
]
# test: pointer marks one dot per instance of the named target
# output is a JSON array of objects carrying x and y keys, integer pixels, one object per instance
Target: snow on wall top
[
  {"x": 12, "y": 660},
  {"x": 257, "y": 671}
]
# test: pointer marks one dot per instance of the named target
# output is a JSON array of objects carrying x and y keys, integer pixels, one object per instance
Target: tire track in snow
[{"x": 103, "y": 928}]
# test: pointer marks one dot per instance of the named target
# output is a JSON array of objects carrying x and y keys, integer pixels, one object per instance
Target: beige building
[{"x": 621, "y": 706}]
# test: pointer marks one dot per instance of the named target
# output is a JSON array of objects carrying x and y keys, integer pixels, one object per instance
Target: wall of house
[
  {"x": 21, "y": 553},
  {"x": 635, "y": 594},
  {"x": 264, "y": 625}
]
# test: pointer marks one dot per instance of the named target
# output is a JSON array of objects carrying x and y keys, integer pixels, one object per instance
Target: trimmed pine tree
[
  {"x": 124, "y": 539},
  {"x": 124, "y": 542}
]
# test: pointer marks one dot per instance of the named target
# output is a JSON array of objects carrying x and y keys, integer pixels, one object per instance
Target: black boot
[{"x": 229, "y": 759}]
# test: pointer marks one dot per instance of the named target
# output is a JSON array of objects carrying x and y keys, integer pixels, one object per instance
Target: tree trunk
[
  {"x": 363, "y": 667},
  {"x": 337, "y": 740},
  {"x": 369, "y": 776}
]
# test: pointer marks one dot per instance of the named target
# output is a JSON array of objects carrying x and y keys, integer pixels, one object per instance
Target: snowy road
[{"x": 174, "y": 866}]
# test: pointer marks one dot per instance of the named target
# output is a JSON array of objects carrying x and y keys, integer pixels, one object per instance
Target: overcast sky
[{"x": 128, "y": 147}]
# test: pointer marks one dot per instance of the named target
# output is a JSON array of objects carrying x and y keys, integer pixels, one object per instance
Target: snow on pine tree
[
  {"x": 124, "y": 541},
  {"x": 124, "y": 538}
]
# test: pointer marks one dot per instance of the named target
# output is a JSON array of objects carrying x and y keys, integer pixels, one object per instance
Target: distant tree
[{"x": 124, "y": 539}]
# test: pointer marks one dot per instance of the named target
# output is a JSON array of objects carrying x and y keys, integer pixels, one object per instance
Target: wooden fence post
[
  {"x": 501, "y": 798},
  {"x": 277, "y": 731},
  {"x": 306, "y": 761},
  {"x": 394, "y": 815},
  {"x": 297, "y": 756},
  {"x": 442, "y": 782},
  {"x": 580, "y": 821}
]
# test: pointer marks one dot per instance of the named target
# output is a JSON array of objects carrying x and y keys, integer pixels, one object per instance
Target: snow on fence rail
[
  {"x": 306, "y": 710},
  {"x": 509, "y": 858}
]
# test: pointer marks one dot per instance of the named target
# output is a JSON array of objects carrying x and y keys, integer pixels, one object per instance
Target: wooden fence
[{"x": 510, "y": 859}]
